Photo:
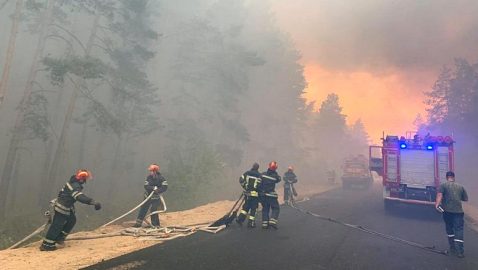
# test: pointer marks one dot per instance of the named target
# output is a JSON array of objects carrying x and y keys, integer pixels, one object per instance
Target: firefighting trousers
[
  {"x": 287, "y": 194},
  {"x": 250, "y": 207},
  {"x": 152, "y": 204},
  {"x": 59, "y": 229},
  {"x": 454, "y": 229},
  {"x": 270, "y": 210}
]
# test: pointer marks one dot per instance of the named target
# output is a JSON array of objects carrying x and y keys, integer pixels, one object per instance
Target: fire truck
[
  {"x": 414, "y": 168},
  {"x": 356, "y": 172}
]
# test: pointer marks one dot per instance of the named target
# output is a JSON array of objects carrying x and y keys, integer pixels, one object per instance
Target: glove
[
  {"x": 439, "y": 209},
  {"x": 155, "y": 189},
  {"x": 97, "y": 206}
]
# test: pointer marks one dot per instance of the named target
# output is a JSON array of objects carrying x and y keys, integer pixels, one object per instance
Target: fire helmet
[
  {"x": 153, "y": 168},
  {"x": 273, "y": 166},
  {"x": 83, "y": 175}
]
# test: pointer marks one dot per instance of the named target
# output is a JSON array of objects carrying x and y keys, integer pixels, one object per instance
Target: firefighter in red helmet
[
  {"x": 156, "y": 183},
  {"x": 269, "y": 197},
  {"x": 64, "y": 218}
]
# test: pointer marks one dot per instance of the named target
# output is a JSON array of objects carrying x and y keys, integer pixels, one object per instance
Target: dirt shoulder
[
  {"x": 471, "y": 216},
  {"x": 82, "y": 253}
]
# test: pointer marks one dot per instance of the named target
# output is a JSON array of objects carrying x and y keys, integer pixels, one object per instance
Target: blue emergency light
[
  {"x": 403, "y": 145},
  {"x": 429, "y": 147}
]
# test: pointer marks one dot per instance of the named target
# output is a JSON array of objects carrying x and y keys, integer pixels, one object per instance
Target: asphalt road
[{"x": 304, "y": 242}]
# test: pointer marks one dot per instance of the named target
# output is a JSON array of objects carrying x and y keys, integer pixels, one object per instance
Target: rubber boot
[
  {"x": 451, "y": 243},
  {"x": 460, "y": 250},
  {"x": 45, "y": 247},
  {"x": 273, "y": 224},
  {"x": 251, "y": 223},
  {"x": 265, "y": 225}
]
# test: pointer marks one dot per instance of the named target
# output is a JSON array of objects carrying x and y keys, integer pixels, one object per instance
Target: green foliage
[
  {"x": 35, "y": 121},
  {"x": 84, "y": 67},
  {"x": 196, "y": 172},
  {"x": 330, "y": 120}
]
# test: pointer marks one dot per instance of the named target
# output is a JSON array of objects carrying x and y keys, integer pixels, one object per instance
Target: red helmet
[
  {"x": 153, "y": 168},
  {"x": 273, "y": 166},
  {"x": 83, "y": 175}
]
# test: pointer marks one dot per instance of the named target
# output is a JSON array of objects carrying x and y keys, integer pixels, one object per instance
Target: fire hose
[
  {"x": 162, "y": 234},
  {"x": 372, "y": 232},
  {"x": 34, "y": 233},
  {"x": 132, "y": 210}
]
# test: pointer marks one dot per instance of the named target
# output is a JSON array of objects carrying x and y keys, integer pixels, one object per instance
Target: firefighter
[
  {"x": 448, "y": 201},
  {"x": 268, "y": 196},
  {"x": 64, "y": 218},
  {"x": 289, "y": 180},
  {"x": 250, "y": 181},
  {"x": 156, "y": 183}
]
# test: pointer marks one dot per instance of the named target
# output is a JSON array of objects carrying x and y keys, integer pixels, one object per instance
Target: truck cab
[
  {"x": 375, "y": 160},
  {"x": 414, "y": 168}
]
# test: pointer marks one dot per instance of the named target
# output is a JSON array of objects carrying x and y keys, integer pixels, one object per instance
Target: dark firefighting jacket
[
  {"x": 250, "y": 182},
  {"x": 69, "y": 194},
  {"x": 156, "y": 180},
  {"x": 269, "y": 180},
  {"x": 289, "y": 179}
]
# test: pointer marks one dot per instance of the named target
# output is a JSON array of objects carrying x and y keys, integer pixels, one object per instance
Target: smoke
[
  {"x": 378, "y": 56},
  {"x": 378, "y": 36}
]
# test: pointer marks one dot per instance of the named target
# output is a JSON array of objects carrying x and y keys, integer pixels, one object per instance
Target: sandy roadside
[
  {"x": 81, "y": 253},
  {"x": 471, "y": 216}
]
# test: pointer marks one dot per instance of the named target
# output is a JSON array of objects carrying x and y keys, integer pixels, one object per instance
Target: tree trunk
[
  {"x": 17, "y": 129},
  {"x": 58, "y": 157},
  {"x": 44, "y": 196},
  {"x": 81, "y": 157},
  {"x": 13, "y": 192},
  {"x": 10, "y": 50},
  {"x": 116, "y": 169}
]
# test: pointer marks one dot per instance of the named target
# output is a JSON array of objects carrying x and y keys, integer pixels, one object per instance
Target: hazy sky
[{"x": 379, "y": 55}]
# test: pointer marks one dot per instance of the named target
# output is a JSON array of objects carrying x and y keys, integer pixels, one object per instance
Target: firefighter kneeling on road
[
  {"x": 250, "y": 181},
  {"x": 448, "y": 201},
  {"x": 64, "y": 219},
  {"x": 289, "y": 180},
  {"x": 156, "y": 183},
  {"x": 268, "y": 196}
]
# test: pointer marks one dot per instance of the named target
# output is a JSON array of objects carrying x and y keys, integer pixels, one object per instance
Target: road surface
[{"x": 304, "y": 242}]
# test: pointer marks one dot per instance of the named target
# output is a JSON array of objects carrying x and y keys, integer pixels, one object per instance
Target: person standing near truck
[{"x": 448, "y": 201}]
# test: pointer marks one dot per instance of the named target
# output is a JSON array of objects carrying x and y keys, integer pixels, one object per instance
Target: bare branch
[
  {"x": 60, "y": 37},
  {"x": 71, "y": 35}
]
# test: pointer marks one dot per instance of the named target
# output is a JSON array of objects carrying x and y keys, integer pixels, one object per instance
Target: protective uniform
[
  {"x": 289, "y": 180},
  {"x": 156, "y": 183},
  {"x": 250, "y": 181},
  {"x": 64, "y": 218},
  {"x": 453, "y": 194},
  {"x": 268, "y": 197}
]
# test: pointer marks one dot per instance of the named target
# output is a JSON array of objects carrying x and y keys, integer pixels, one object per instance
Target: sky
[{"x": 380, "y": 56}]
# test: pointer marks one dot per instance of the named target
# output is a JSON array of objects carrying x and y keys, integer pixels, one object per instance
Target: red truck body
[{"x": 414, "y": 168}]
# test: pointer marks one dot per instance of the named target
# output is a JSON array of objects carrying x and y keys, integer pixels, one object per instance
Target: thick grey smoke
[{"x": 381, "y": 34}]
